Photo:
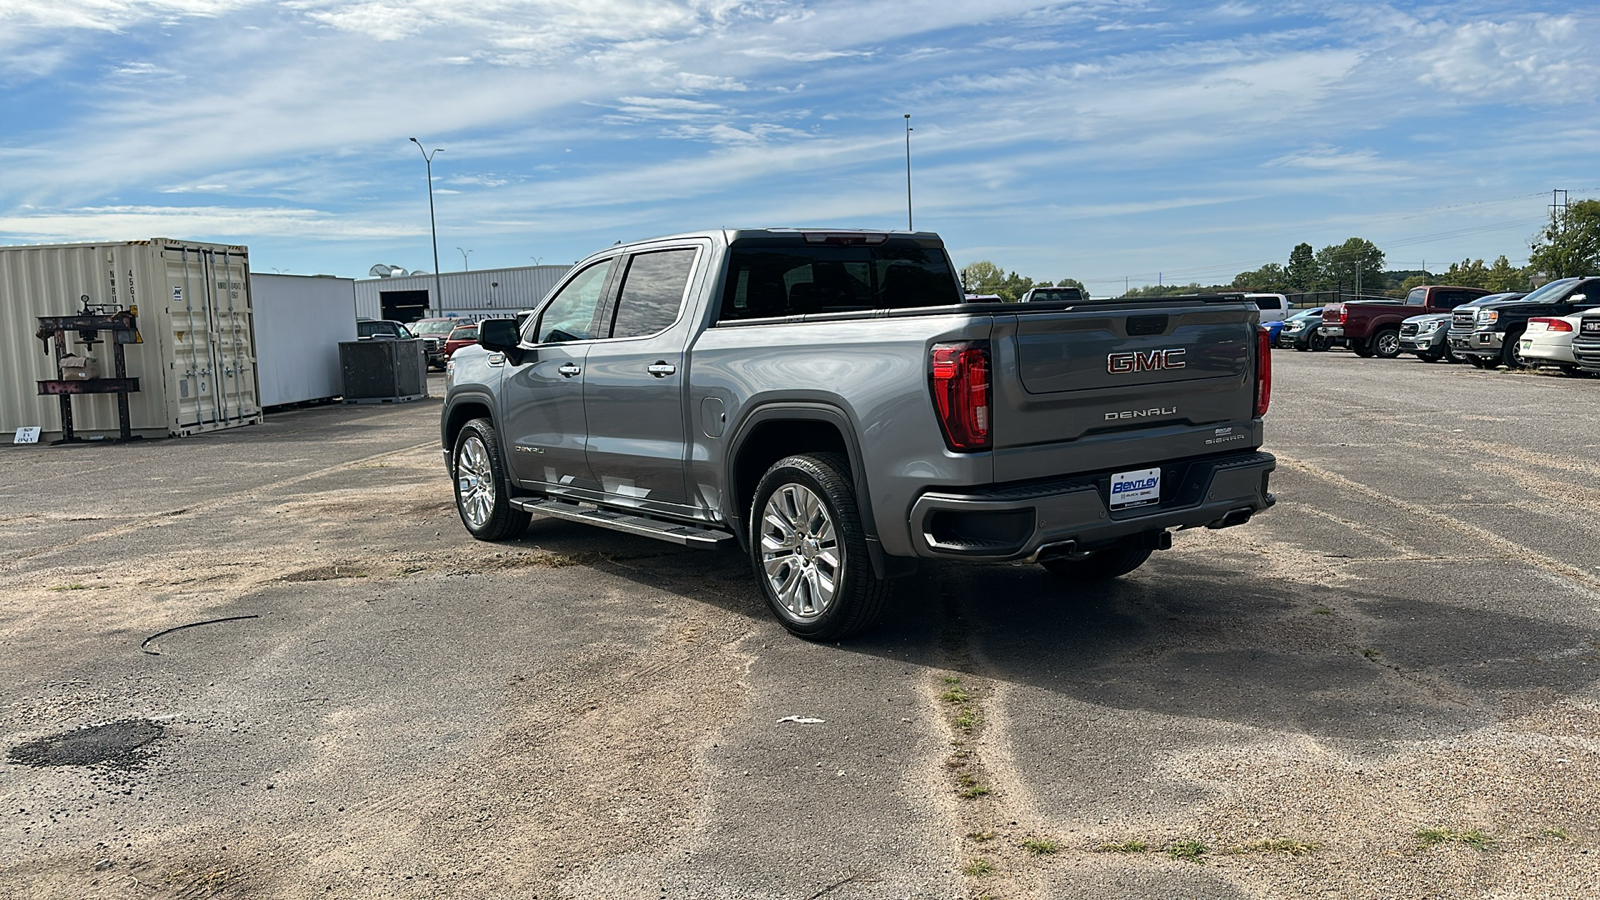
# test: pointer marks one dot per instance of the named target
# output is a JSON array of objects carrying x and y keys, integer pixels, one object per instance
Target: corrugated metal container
[
  {"x": 469, "y": 295},
  {"x": 300, "y": 320},
  {"x": 196, "y": 363}
]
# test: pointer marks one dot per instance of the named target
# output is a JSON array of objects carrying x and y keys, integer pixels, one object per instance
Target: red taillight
[
  {"x": 1344, "y": 315},
  {"x": 960, "y": 385},
  {"x": 1263, "y": 371},
  {"x": 1552, "y": 324}
]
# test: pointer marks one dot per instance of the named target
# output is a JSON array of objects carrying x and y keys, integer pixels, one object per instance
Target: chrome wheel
[
  {"x": 801, "y": 554},
  {"x": 474, "y": 482}
]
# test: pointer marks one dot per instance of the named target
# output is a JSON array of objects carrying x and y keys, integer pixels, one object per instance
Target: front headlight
[
  {"x": 1427, "y": 328},
  {"x": 1488, "y": 316}
]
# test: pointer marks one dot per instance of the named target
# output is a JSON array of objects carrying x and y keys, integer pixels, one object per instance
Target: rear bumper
[{"x": 1029, "y": 520}]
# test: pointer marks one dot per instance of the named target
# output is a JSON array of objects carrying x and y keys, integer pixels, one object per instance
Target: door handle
[
  {"x": 568, "y": 370},
  {"x": 662, "y": 369}
]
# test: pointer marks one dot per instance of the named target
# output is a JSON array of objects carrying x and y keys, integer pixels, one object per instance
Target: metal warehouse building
[{"x": 470, "y": 295}]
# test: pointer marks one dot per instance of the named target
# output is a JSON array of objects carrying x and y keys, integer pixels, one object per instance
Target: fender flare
[{"x": 808, "y": 411}]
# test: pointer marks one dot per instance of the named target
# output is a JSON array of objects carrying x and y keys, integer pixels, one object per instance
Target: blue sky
[{"x": 1104, "y": 141}]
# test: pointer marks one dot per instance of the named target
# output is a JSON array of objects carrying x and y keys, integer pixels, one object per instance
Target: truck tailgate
[{"x": 1090, "y": 388}]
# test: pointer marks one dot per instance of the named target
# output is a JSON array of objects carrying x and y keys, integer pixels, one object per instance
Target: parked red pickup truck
[{"x": 1372, "y": 327}]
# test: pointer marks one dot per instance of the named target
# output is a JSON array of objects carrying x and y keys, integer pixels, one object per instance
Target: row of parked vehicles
[
  {"x": 1556, "y": 325},
  {"x": 440, "y": 337}
]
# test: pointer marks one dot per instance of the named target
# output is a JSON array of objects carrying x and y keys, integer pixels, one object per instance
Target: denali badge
[
  {"x": 1144, "y": 361},
  {"x": 1142, "y": 413}
]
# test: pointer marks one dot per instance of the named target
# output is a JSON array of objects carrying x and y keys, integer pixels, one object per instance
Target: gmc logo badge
[{"x": 1144, "y": 361}]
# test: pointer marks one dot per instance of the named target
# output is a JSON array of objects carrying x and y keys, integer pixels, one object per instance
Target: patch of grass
[
  {"x": 1370, "y": 653},
  {"x": 1476, "y": 838},
  {"x": 955, "y": 695},
  {"x": 966, "y": 720},
  {"x": 1193, "y": 851},
  {"x": 978, "y": 868},
  {"x": 1132, "y": 846},
  {"x": 1280, "y": 845},
  {"x": 981, "y": 837},
  {"x": 1323, "y": 611},
  {"x": 971, "y": 789},
  {"x": 951, "y": 679},
  {"x": 1041, "y": 846},
  {"x": 75, "y": 586},
  {"x": 1559, "y": 834}
]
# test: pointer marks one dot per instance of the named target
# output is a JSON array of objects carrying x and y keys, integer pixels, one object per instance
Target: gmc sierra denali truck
[{"x": 828, "y": 402}]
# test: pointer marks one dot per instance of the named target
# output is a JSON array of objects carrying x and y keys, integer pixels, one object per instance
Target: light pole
[
  {"x": 908, "y": 173},
  {"x": 427, "y": 159},
  {"x": 464, "y": 266}
]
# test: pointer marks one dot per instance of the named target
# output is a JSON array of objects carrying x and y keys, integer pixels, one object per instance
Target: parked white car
[
  {"x": 1548, "y": 342},
  {"x": 1274, "y": 307}
]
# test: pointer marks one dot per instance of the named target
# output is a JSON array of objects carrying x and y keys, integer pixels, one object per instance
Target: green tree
[
  {"x": 1302, "y": 272},
  {"x": 982, "y": 277},
  {"x": 1269, "y": 279},
  {"x": 1014, "y": 287},
  {"x": 1570, "y": 245},
  {"x": 1356, "y": 264},
  {"x": 1071, "y": 282},
  {"x": 1502, "y": 277},
  {"x": 1413, "y": 281},
  {"x": 1467, "y": 273}
]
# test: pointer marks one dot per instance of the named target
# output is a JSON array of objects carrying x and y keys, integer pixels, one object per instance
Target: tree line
[{"x": 1568, "y": 246}]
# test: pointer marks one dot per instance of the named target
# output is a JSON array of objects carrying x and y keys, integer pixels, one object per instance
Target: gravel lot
[{"x": 1385, "y": 687}]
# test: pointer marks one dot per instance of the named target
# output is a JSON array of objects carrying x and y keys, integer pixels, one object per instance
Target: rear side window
[
  {"x": 652, "y": 292},
  {"x": 1417, "y": 297},
  {"x": 767, "y": 279}
]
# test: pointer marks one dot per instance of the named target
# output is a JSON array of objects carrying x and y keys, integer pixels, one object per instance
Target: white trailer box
[
  {"x": 196, "y": 357},
  {"x": 300, "y": 320}
]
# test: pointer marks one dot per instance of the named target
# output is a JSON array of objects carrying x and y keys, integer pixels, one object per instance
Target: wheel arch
[
  {"x": 778, "y": 429},
  {"x": 460, "y": 410}
]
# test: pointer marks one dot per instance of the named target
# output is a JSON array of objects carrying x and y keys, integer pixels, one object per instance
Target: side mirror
[
  {"x": 501, "y": 336},
  {"x": 1577, "y": 298}
]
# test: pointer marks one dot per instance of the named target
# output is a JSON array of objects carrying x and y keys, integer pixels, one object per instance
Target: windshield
[
  {"x": 437, "y": 326},
  {"x": 1551, "y": 290}
]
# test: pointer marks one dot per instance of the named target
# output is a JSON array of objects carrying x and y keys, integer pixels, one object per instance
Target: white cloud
[{"x": 1545, "y": 59}]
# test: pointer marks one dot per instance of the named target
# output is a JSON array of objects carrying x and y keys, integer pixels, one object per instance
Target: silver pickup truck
[{"x": 829, "y": 402}]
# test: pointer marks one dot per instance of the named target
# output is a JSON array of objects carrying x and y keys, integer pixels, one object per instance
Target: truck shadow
[
  {"x": 1182, "y": 638},
  {"x": 1185, "y": 639}
]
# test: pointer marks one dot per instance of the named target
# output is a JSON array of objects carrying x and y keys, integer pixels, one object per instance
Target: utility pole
[
  {"x": 464, "y": 253},
  {"x": 438, "y": 286},
  {"x": 908, "y": 173},
  {"x": 1558, "y": 208}
]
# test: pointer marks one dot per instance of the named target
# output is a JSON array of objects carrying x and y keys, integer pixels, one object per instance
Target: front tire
[
  {"x": 1510, "y": 355},
  {"x": 1097, "y": 565},
  {"x": 809, "y": 550},
  {"x": 1318, "y": 342},
  {"x": 483, "y": 496}
]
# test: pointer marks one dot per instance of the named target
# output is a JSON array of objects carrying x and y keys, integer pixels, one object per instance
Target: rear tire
[
  {"x": 1362, "y": 349},
  {"x": 809, "y": 550},
  {"x": 1097, "y": 565},
  {"x": 1386, "y": 343},
  {"x": 483, "y": 496},
  {"x": 1317, "y": 342}
]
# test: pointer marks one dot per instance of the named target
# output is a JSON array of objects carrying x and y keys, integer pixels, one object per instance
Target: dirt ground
[{"x": 271, "y": 663}]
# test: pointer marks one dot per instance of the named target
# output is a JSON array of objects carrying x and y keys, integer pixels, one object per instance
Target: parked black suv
[{"x": 1487, "y": 335}]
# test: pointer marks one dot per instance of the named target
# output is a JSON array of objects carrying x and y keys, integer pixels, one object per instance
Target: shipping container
[
  {"x": 299, "y": 322},
  {"x": 488, "y": 293},
  {"x": 195, "y": 356}
]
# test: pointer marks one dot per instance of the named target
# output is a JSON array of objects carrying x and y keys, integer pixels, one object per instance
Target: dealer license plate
[{"x": 1135, "y": 488}]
